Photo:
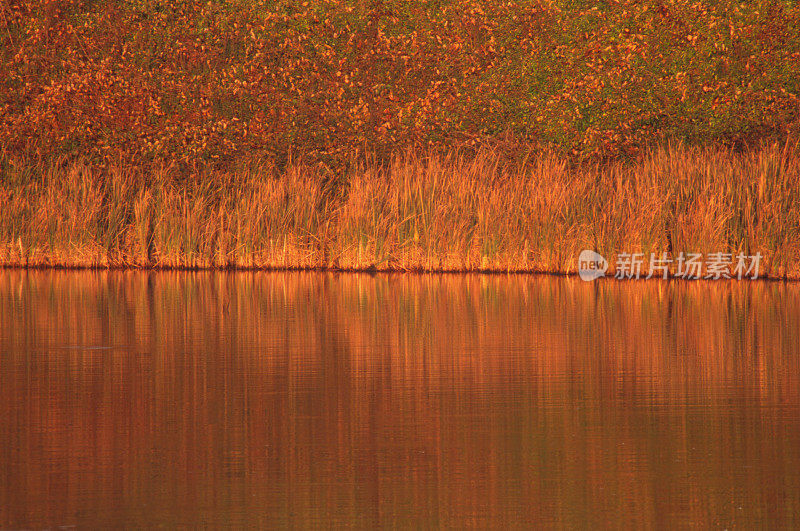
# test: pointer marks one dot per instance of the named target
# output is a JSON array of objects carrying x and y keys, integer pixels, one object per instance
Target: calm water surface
[{"x": 164, "y": 399}]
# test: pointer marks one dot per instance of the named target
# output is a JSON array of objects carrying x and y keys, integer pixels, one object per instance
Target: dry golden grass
[{"x": 435, "y": 212}]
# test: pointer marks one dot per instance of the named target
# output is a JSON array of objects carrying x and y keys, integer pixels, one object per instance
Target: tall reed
[{"x": 432, "y": 212}]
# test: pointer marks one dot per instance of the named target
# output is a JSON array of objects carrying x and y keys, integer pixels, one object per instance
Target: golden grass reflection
[{"x": 143, "y": 399}]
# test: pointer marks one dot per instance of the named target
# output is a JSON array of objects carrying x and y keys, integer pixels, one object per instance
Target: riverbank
[{"x": 438, "y": 212}]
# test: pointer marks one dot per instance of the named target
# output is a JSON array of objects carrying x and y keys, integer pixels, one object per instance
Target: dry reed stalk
[{"x": 435, "y": 212}]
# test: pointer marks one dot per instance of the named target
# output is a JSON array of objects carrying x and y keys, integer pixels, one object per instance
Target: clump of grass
[{"x": 434, "y": 212}]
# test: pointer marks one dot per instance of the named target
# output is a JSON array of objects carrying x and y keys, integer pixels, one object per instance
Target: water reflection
[{"x": 313, "y": 399}]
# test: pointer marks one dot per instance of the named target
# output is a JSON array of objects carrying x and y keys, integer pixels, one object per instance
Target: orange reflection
[{"x": 145, "y": 399}]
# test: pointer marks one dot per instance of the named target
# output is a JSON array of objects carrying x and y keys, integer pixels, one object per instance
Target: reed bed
[{"x": 433, "y": 212}]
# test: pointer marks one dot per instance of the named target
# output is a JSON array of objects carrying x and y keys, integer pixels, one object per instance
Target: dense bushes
[{"x": 192, "y": 82}]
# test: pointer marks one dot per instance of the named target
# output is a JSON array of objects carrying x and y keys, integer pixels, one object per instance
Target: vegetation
[
  {"x": 432, "y": 135},
  {"x": 196, "y": 83},
  {"x": 451, "y": 212}
]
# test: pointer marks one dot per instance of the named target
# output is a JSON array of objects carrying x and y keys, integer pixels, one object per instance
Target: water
[{"x": 165, "y": 399}]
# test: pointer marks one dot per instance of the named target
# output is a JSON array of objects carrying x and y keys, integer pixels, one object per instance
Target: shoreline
[{"x": 375, "y": 271}]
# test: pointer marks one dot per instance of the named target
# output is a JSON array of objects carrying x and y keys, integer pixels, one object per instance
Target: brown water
[{"x": 164, "y": 399}]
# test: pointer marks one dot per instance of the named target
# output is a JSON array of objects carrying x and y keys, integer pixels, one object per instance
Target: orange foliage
[{"x": 191, "y": 82}]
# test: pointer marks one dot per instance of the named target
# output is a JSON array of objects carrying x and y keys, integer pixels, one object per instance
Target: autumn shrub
[{"x": 196, "y": 84}]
